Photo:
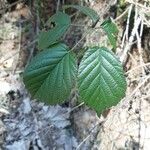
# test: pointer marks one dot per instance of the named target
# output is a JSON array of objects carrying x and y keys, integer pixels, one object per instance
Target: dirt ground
[{"x": 26, "y": 124}]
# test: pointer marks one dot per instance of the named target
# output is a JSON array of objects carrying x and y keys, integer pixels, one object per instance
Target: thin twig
[
  {"x": 135, "y": 68},
  {"x": 19, "y": 47},
  {"x": 88, "y": 31},
  {"x": 84, "y": 35},
  {"x": 37, "y": 24},
  {"x": 138, "y": 87},
  {"x": 138, "y": 36},
  {"x": 123, "y": 14},
  {"x": 74, "y": 108},
  {"x": 125, "y": 36},
  {"x": 58, "y": 5},
  {"x": 124, "y": 55},
  {"x": 99, "y": 123},
  {"x": 138, "y": 4}
]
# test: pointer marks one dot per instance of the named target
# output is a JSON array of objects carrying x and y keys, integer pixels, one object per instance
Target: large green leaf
[
  {"x": 100, "y": 79},
  {"x": 51, "y": 74},
  {"x": 111, "y": 30},
  {"x": 62, "y": 22},
  {"x": 86, "y": 10}
]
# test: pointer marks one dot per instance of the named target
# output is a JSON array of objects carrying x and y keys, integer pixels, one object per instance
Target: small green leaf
[
  {"x": 101, "y": 79},
  {"x": 62, "y": 22},
  {"x": 86, "y": 10},
  {"x": 51, "y": 74},
  {"x": 111, "y": 30}
]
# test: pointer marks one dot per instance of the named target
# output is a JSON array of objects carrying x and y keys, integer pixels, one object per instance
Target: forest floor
[{"x": 26, "y": 124}]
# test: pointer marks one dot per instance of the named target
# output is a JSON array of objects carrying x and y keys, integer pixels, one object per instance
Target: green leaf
[
  {"x": 51, "y": 74},
  {"x": 111, "y": 30},
  {"x": 62, "y": 22},
  {"x": 100, "y": 79},
  {"x": 86, "y": 10}
]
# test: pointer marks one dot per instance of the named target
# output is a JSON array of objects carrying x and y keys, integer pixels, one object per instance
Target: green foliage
[
  {"x": 111, "y": 30},
  {"x": 62, "y": 22},
  {"x": 101, "y": 80},
  {"x": 53, "y": 72},
  {"x": 86, "y": 10}
]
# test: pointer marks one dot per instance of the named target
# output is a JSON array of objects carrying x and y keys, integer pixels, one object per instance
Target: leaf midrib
[{"x": 49, "y": 73}]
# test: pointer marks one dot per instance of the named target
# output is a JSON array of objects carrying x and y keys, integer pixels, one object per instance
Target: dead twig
[
  {"x": 138, "y": 67},
  {"x": 88, "y": 136},
  {"x": 37, "y": 24},
  {"x": 147, "y": 9},
  {"x": 58, "y": 5},
  {"x": 138, "y": 87},
  {"x": 124, "y": 55},
  {"x": 125, "y": 36},
  {"x": 123, "y": 14},
  {"x": 19, "y": 47}
]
